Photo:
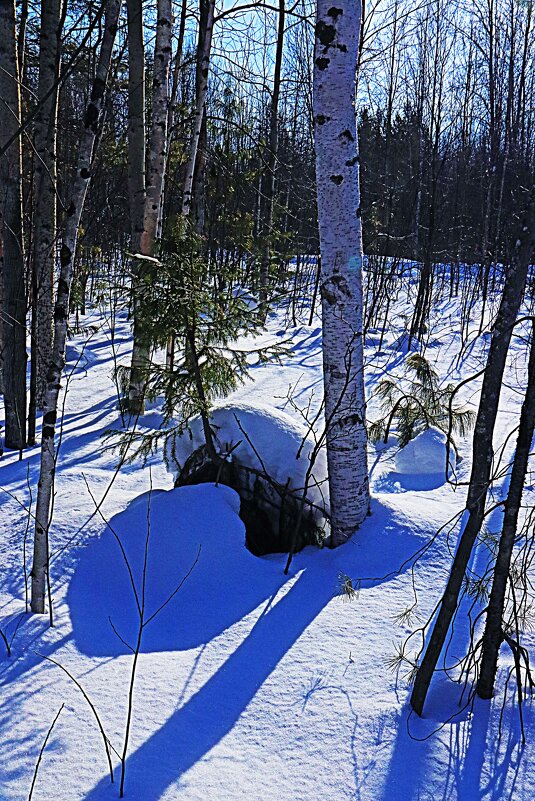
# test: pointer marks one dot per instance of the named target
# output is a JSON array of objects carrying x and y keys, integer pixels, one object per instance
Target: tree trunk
[
  {"x": 44, "y": 220},
  {"x": 92, "y": 127},
  {"x": 269, "y": 177},
  {"x": 155, "y": 178},
  {"x": 136, "y": 187},
  {"x": 11, "y": 232},
  {"x": 207, "y": 8},
  {"x": 482, "y": 452},
  {"x": 337, "y": 176},
  {"x": 493, "y": 636}
]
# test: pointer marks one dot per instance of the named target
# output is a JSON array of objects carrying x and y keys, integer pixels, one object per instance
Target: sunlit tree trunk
[
  {"x": 44, "y": 220},
  {"x": 482, "y": 450},
  {"x": 91, "y": 131},
  {"x": 206, "y": 27},
  {"x": 271, "y": 159},
  {"x": 136, "y": 185},
  {"x": 337, "y": 175},
  {"x": 155, "y": 177},
  {"x": 494, "y": 626}
]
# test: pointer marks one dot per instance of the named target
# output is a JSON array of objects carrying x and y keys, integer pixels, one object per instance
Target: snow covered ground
[{"x": 250, "y": 684}]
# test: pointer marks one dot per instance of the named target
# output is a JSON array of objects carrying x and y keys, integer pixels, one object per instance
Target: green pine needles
[
  {"x": 191, "y": 317},
  {"x": 417, "y": 403}
]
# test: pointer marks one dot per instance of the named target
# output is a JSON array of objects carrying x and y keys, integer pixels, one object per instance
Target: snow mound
[
  {"x": 425, "y": 455},
  {"x": 269, "y": 440}
]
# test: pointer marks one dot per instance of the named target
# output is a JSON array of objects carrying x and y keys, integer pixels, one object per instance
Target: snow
[
  {"x": 249, "y": 684},
  {"x": 425, "y": 455},
  {"x": 264, "y": 438}
]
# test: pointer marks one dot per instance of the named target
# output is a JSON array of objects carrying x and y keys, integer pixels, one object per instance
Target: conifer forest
[{"x": 267, "y": 400}]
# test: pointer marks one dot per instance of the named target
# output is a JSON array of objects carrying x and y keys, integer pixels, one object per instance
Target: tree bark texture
[
  {"x": 90, "y": 134},
  {"x": 337, "y": 177},
  {"x": 482, "y": 450},
  {"x": 136, "y": 185},
  {"x": 494, "y": 626},
  {"x": 11, "y": 232},
  {"x": 272, "y": 152},
  {"x": 155, "y": 178},
  {"x": 203, "y": 69},
  {"x": 44, "y": 227}
]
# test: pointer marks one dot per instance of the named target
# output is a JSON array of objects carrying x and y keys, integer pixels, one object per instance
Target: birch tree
[
  {"x": 91, "y": 131},
  {"x": 155, "y": 179},
  {"x": 339, "y": 217},
  {"x": 206, "y": 27},
  {"x": 44, "y": 221},
  {"x": 136, "y": 184},
  {"x": 11, "y": 232}
]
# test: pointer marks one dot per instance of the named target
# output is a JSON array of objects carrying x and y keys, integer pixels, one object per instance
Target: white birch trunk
[
  {"x": 44, "y": 239},
  {"x": 200, "y": 102},
  {"x": 155, "y": 178},
  {"x": 337, "y": 175},
  {"x": 92, "y": 124}
]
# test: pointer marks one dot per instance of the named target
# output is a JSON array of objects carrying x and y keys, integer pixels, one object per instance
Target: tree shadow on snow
[{"x": 224, "y": 587}]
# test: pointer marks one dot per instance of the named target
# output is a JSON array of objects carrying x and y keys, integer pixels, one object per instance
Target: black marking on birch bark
[
  {"x": 352, "y": 162},
  {"x": 334, "y": 288},
  {"x": 349, "y": 419},
  {"x": 325, "y": 33},
  {"x": 99, "y": 87},
  {"x": 60, "y": 314},
  {"x": 322, "y": 63},
  {"x": 85, "y": 173},
  {"x": 91, "y": 116},
  {"x": 63, "y": 287},
  {"x": 334, "y": 13},
  {"x": 337, "y": 179},
  {"x": 205, "y": 72},
  {"x": 65, "y": 255},
  {"x": 50, "y": 418},
  {"x": 347, "y": 135},
  {"x": 71, "y": 210},
  {"x": 321, "y": 119}
]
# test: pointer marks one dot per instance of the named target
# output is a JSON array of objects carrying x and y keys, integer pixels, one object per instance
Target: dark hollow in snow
[{"x": 277, "y": 519}]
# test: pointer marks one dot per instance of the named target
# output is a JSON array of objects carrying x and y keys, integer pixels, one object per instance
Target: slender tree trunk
[
  {"x": 482, "y": 452},
  {"x": 337, "y": 176},
  {"x": 11, "y": 232},
  {"x": 136, "y": 187},
  {"x": 44, "y": 219},
  {"x": 272, "y": 152},
  {"x": 155, "y": 179},
  {"x": 207, "y": 8},
  {"x": 493, "y": 636},
  {"x": 92, "y": 127}
]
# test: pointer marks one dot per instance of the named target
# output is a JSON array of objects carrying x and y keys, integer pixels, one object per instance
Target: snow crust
[
  {"x": 250, "y": 684},
  {"x": 267, "y": 439},
  {"x": 424, "y": 455}
]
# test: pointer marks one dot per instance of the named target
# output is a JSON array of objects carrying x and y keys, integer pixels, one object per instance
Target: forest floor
[{"x": 250, "y": 684}]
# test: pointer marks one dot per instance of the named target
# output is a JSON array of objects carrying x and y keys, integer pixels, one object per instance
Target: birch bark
[
  {"x": 205, "y": 41},
  {"x": 155, "y": 179},
  {"x": 337, "y": 177},
  {"x": 136, "y": 186},
  {"x": 92, "y": 127},
  {"x": 44, "y": 228}
]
